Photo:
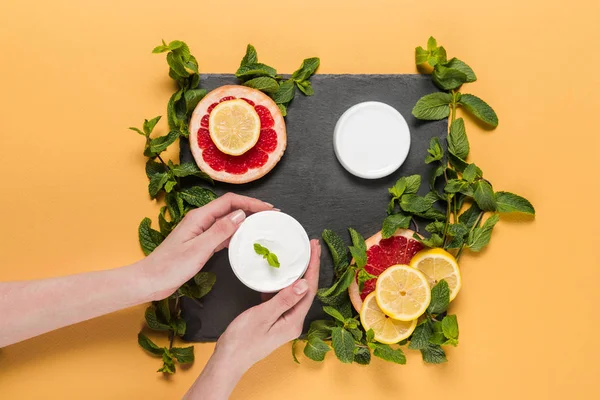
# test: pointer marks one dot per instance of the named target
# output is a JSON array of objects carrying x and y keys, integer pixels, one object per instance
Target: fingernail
[
  {"x": 301, "y": 286},
  {"x": 276, "y": 209},
  {"x": 237, "y": 217},
  {"x": 269, "y": 204}
]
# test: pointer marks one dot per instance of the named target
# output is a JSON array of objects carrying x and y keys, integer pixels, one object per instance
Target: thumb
[
  {"x": 219, "y": 232},
  {"x": 284, "y": 300}
]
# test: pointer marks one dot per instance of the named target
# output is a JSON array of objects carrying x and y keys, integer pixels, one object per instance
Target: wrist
[{"x": 146, "y": 282}]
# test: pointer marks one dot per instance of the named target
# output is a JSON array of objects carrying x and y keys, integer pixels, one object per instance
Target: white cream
[{"x": 283, "y": 236}]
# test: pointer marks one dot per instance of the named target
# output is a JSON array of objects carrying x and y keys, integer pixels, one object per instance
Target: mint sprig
[{"x": 267, "y": 255}]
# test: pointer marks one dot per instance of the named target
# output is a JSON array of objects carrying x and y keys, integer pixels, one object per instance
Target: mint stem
[{"x": 475, "y": 225}]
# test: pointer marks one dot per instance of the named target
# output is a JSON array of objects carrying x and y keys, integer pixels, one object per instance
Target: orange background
[{"x": 74, "y": 75}]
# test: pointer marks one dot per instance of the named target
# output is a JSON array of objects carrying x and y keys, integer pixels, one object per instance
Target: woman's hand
[
  {"x": 257, "y": 332},
  {"x": 202, "y": 232}
]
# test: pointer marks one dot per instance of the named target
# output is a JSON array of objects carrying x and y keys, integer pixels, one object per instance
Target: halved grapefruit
[
  {"x": 257, "y": 158},
  {"x": 382, "y": 254}
]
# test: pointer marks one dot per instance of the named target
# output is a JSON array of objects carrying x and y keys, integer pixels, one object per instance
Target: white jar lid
[
  {"x": 371, "y": 140},
  {"x": 283, "y": 236}
]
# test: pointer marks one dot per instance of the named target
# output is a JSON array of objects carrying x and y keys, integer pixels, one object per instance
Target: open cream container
[{"x": 282, "y": 235}]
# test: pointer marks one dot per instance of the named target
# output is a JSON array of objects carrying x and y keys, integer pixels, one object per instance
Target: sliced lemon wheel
[
  {"x": 403, "y": 292},
  {"x": 234, "y": 127},
  {"x": 438, "y": 264},
  {"x": 387, "y": 330}
]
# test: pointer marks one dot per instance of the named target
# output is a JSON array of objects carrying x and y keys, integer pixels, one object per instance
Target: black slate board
[{"x": 311, "y": 185}]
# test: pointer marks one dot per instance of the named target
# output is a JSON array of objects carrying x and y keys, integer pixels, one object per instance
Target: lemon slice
[
  {"x": 403, "y": 292},
  {"x": 234, "y": 127},
  {"x": 387, "y": 330},
  {"x": 438, "y": 264}
]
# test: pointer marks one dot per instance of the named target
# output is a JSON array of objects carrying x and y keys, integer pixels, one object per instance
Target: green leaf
[
  {"x": 413, "y": 183},
  {"x": 385, "y": 352},
  {"x": 334, "y": 313},
  {"x": 458, "y": 163},
  {"x": 180, "y": 327},
  {"x": 362, "y": 277},
  {"x": 168, "y": 363},
  {"x": 421, "y": 335},
  {"x": 285, "y": 92},
  {"x": 254, "y": 70},
  {"x": 149, "y": 125},
  {"x": 153, "y": 168},
  {"x": 362, "y": 356},
  {"x": 320, "y": 329},
  {"x": 448, "y": 78},
  {"x": 294, "y": 343},
  {"x": 359, "y": 256},
  {"x": 470, "y": 216},
  {"x": 433, "y": 354},
  {"x": 435, "y": 227},
  {"x": 169, "y": 186},
  {"x": 480, "y": 237},
  {"x": 197, "y": 196},
  {"x": 370, "y": 335},
  {"x": 192, "y": 98},
  {"x": 421, "y": 55},
  {"x": 343, "y": 345},
  {"x": 394, "y": 222},
  {"x": 160, "y": 144},
  {"x": 433, "y": 241},
  {"x": 479, "y": 109},
  {"x": 306, "y": 88},
  {"x": 399, "y": 187},
  {"x": 273, "y": 260},
  {"x": 440, "y": 298},
  {"x": 458, "y": 143},
  {"x": 184, "y": 355},
  {"x": 357, "y": 239},
  {"x": 438, "y": 334},
  {"x": 251, "y": 56},
  {"x": 472, "y": 173},
  {"x": 190, "y": 169},
  {"x": 450, "y": 327},
  {"x": 148, "y": 237},
  {"x": 413, "y": 203},
  {"x": 435, "y": 151},
  {"x": 338, "y": 250},
  {"x": 263, "y": 83},
  {"x": 434, "y": 106},
  {"x": 164, "y": 311},
  {"x": 157, "y": 182},
  {"x": 283, "y": 109},
  {"x": 484, "y": 195},
  {"x": 204, "y": 281},
  {"x": 456, "y": 186},
  {"x": 431, "y": 44},
  {"x": 261, "y": 250},
  {"x": 458, "y": 232},
  {"x": 339, "y": 286},
  {"x": 307, "y": 69},
  {"x": 137, "y": 130},
  {"x": 175, "y": 206},
  {"x": 457, "y": 64},
  {"x": 316, "y": 349},
  {"x": 509, "y": 202},
  {"x": 152, "y": 320},
  {"x": 432, "y": 214},
  {"x": 437, "y": 56},
  {"x": 149, "y": 345}
]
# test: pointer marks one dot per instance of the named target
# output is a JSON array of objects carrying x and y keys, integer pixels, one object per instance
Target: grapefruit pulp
[
  {"x": 251, "y": 159},
  {"x": 382, "y": 254}
]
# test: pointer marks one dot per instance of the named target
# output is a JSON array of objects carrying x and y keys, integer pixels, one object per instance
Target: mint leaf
[
  {"x": 359, "y": 248},
  {"x": 160, "y": 144},
  {"x": 197, "y": 196},
  {"x": 261, "y": 250},
  {"x": 190, "y": 169},
  {"x": 435, "y": 151},
  {"x": 137, "y": 130},
  {"x": 363, "y": 276},
  {"x": 306, "y": 88},
  {"x": 294, "y": 343},
  {"x": 458, "y": 163},
  {"x": 338, "y": 250},
  {"x": 170, "y": 185},
  {"x": 339, "y": 286},
  {"x": 470, "y": 216},
  {"x": 421, "y": 335},
  {"x": 458, "y": 232},
  {"x": 458, "y": 143},
  {"x": 343, "y": 345},
  {"x": 157, "y": 182},
  {"x": 385, "y": 352},
  {"x": 357, "y": 239},
  {"x": 413, "y": 183},
  {"x": 433, "y": 241},
  {"x": 204, "y": 281},
  {"x": 149, "y": 345},
  {"x": 433, "y": 354},
  {"x": 434, "y": 106},
  {"x": 484, "y": 195},
  {"x": 432, "y": 214},
  {"x": 448, "y": 78},
  {"x": 362, "y": 356},
  {"x": 450, "y": 327},
  {"x": 184, "y": 355},
  {"x": 421, "y": 55},
  {"x": 307, "y": 69},
  {"x": 399, "y": 187},
  {"x": 479, "y": 109},
  {"x": 440, "y": 298},
  {"x": 509, "y": 202},
  {"x": 251, "y": 57},
  {"x": 175, "y": 206},
  {"x": 457, "y": 64},
  {"x": 334, "y": 313},
  {"x": 263, "y": 83},
  {"x": 163, "y": 309},
  {"x": 283, "y": 109},
  {"x": 192, "y": 98},
  {"x": 393, "y": 222},
  {"x": 168, "y": 363},
  {"x": 435, "y": 227},
  {"x": 273, "y": 260},
  {"x": 438, "y": 334},
  {"x": 480, "y": 237},
  {"x": 320, "y": 329},
  {"x": 457, "y": 186},
  {"x": 370, "y": 335},
  {"x": 148, "y": 237},
  {"x": 431, "y": 44},
  {"x": 413, "y": 203},
  {"x": 254, "y": 70},
  {"x": 316, "y": 349},
  {"x": 285, "y": 92},
  {"x": 180, "y": 326},
  {"x": 149, "y": 125},
  {"x": 472, "y": 173}
]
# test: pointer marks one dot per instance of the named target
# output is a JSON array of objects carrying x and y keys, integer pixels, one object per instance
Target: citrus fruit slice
[
  {"x": 234, "y": 127},
  {"x": 387, "y": 330},
  {"x": 255, "y": 162},
  {"x": 438, "y": 264},
  {"x": 382, "y": 254},
  {"x": 403, "y": 292}
]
